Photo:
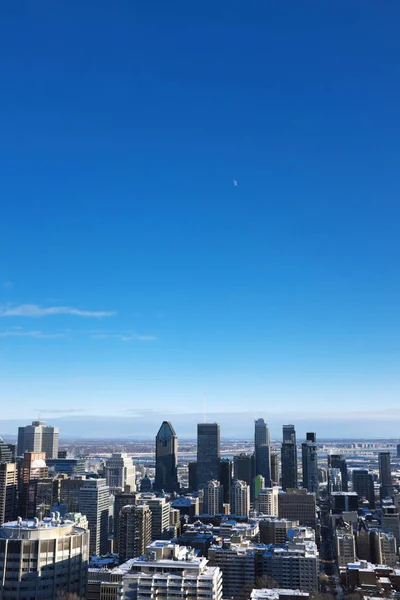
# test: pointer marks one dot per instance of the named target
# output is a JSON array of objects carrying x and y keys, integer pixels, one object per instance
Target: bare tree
[{"x": 68, "y": 596}]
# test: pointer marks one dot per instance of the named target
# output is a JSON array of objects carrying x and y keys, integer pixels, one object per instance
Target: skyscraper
[
  {"x": 385, "y": 475},
  {"x": 166, "y": 459},
  {"x": 134, "y": 530},
  {"x": 240, "y": 504},
  {"x": 289, "y": 458},
  {"x": 208, "y": 453},
  {"x": 120, "y": 472},
  {"x": 226, "y": 479},
  {"x": 309, "y": 462},
  {"x": 363, "y": 485},
  {"x": 38, "y": 437},
  {"x": 275, "y": 468},
  {"x": 8, "y": 492},
  {"x": 94, "y": 503},
  {"x": 121, "y": 499},
  {"x": 262, "y": 450},
  {"x": 243, "y": 467},
  {"x": 7, "y": 452},
  {"x": 213, "y": 498},
  {"x": 338, "y": 461}
]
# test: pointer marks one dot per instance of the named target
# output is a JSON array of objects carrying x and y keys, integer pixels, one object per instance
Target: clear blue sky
[{"x": 134, "y": 273}]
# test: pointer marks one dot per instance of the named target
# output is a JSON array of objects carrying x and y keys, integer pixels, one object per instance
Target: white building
[
  {"x": 39, "y": 559},
  {"x": 240, "y": 499},
  {"x": 120, "y": 472},
  {"x": 213, "y": 498},
  {"x": 38, "y": 437},
  {"x": 267, "y": 501},
  {"x": 168, "y": 572},
  {"x": 345, "y": 547}
]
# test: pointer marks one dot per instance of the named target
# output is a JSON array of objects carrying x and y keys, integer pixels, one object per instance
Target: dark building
[
  {"x": 225, "y": 478},
  {"x": 62, "y": 454},
  {"x": 344, "y": 502},
  {"x": 69, "y": 466},
  {"x": 121, "y": 499},
  {"x": 309, "y": 462},
  {"x": 7, "y": 452},
  {"x": 70, "y": 492},
  {"x": 289, "y": 458},
  {"x": 134, "y": 531},
  {"x": 398, "y": 450},
  {"x": 385, "y": 475},
  {"x": 262, "y": 451},
  {"x": 363, "y": 485},
  {"x": 208, "y": 453},
  {"x": 338, "y": 461},
  {"x": 166, "y": 459},
  {"x": 145, "y": 484},
  {"x": 8, "y": 491},
  {"x": 275, "y": 468},
  {"x": 192, "y": 475},
  {"x": 243, "y": 468}
]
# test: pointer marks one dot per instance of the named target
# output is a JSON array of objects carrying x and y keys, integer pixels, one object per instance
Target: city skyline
[{"x": 218, "y": 222}]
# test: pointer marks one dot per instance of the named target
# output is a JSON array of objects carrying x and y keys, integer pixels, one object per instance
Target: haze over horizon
[{"x": 200, "y": 200}]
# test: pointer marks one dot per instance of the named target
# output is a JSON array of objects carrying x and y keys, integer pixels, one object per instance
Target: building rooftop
[
  {"x": 47, "y": 528},
  {"x": 276, "y": 593}
]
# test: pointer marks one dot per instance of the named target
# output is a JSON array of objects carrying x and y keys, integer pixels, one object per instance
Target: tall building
[
  {"x": 38, "y": 437},
  {"x": 275, "y": 468},
  {"x": 243, "y": 467},
  {"x": 298, "y": 505},
  {"x": 94, "y": 504},
  {"x": 309, "y": 462},
  {"x": 338, "y": 461},
  {"x": 262, "y": 450},
  {"x": 134, "y": 530},
  {"x": 166, "y": 459},
  {"x": 192, "y": 476},
  {"x": 225, "y": 477},
  {"x": 160, "y": 517},
  {"x": 391, "y": 521},
  {"x": 267, "y": 501},
  {"x": 120, "y": 472},
  {"x": 240, "y": 504},
  {"x": 289, "y": 458},
  {"x": 168, "y": 571},
  {"x": 40, "y": 559},
  {"x": 70, "y": 491},
  {"x": 363, "y": 485},
  {"x": 32, "y": 467},
  {"x": 238, "y": 567},
  {"x": 121, "y": 499},
  {"x": 294, "y": 566},
  {"x": 385, "y": 475},
  {"x": 398, "y": 450},
  {"x": 345, "y": 547},
  {"x": 213, "y": 498},
  {"x": 7, "y": 452},
  {"x": 8, "y": 492},
  {"x": 208, "y": 453}
]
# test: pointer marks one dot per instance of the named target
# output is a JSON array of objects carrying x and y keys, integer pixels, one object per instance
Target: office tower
[
  {"x": 187, "y": 505},
  {"x": 275, "y": 531},
  {"x": 267, "y": 501},
  {"x": 168, "y": 571},
  {"x": 145, "y": 485},
  {"x": 243, "y": 467},
  {"x": 160, "y": 517},
  {"x": 275, "y": 468},
  {"x": 166, "y": 459},
  {"x": 338, "y": 461},
  {"x": 38, "y": 437},
  {"x": 120, "y": 472},
  {"x": 121, "y": 499},
  {"x": 70, "y": 491},
  {"x": 262, "y": 451},
  {"x": 208, "y": 453},
  {"x": 385, "y": 475},
  {"x": 363, "y": 485},
  {"x": 295, "y": 566},
  {"x": 258, "y": 485},
  {"x": 289, "y": 458},
  {"x": 238, "y": 568},
  {"x": 240, "y": 503},
  {"x": 94, "y": 503},
  {"x": 8, "y": 492},
  {"x": 334, "y": 480},
  {"x": 344, "y": 502},
  {"x": 213, "y": 498},
  {"x": 398, "y": 450},
  {"x": 134, "y": 530},
  {"x": 39, "y": 559},
  {"x": 309, "y": 462},
  {"x": 7, "y": 452},
  {"x": 225, "y": 477},
  {"x": 345, "y": 547},
  {"x": 298, "y": 505},
  {"x": 67, "y": 466},
  {"x": 33, "y": 466},
  {"x": 192, "y": 476},
  {"x": 391, "y": 521},
  {"x": 42, "y": 494}
]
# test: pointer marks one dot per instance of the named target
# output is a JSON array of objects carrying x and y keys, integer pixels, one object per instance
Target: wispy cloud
[
  {"x": 7, "y": 284},
  {"x": 124, "y": 337},
  {"x": 32, "y": 334},
  {"x": 59, "y": 411},
  {"x": 34, "y": 310}
]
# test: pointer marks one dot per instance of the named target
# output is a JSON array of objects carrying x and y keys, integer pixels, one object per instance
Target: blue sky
[{"x": 136, "y": 275}]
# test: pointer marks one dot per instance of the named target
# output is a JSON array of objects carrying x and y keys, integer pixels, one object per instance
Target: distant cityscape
[{"x": 212, "y": 518}]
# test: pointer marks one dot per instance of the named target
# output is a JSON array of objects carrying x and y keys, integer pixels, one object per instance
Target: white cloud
[
  {"x": 32, "y": 334},
  {"x": 33, "y": 310},
  {"x": 124, "y": 337}
]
